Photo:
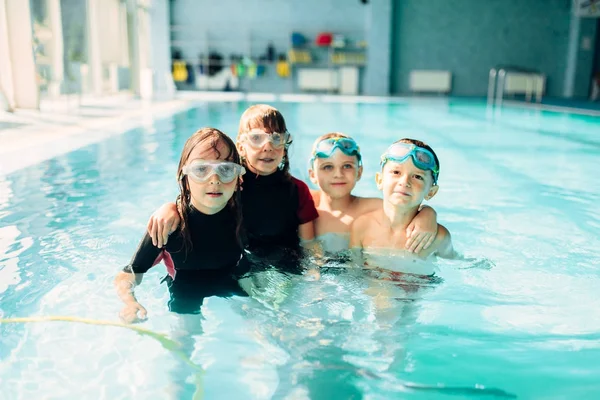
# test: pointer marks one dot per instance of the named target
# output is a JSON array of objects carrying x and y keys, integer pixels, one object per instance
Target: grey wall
[
  {"x": 379, "y": 36},
  {"x": 468, "y": 37}
]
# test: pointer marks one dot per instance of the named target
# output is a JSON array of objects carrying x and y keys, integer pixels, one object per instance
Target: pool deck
[{"x": 28, "y": 137}]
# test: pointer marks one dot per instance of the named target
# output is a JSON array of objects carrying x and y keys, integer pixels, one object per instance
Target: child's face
[
  {"x": 336, "y": 175},
  {"x": 405, "y": 184},
  {"x": 263, "y": 160},
  {"x": 212, "y": 195}
]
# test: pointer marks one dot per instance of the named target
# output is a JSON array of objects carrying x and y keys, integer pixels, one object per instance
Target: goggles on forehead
[
  {"x": 257, "y": 138},
  {"x": 325, "y": 148},
  {"x": 422, "y": 158},
  {"x": 200, "y": 171}
]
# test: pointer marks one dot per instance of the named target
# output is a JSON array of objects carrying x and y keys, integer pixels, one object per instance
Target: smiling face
[
  {"x": 212, "y": 195},
  {"x": 405, "y": 185},
  {"x": 336, "y": 175}
]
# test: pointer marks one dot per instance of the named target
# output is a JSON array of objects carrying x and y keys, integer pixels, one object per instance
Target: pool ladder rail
[{"x": 514, "y": 80}]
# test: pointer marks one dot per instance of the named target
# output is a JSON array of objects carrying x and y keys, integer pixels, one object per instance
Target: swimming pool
[{"x": 518, "y": 189}]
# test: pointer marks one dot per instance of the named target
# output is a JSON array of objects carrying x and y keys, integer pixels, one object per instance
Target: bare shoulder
[
  {"x": 368, "y": 204},
  {"x": 443, "y": 234},
  {"x": 439, "y": 244},
  {"x": 368, "y": 218}
]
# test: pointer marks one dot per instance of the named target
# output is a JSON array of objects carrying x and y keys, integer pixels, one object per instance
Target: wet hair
[
  {"x": 422, "y": 145},
  {"x": 210, "y": 137},
  {"x": 269, "y": 119}
]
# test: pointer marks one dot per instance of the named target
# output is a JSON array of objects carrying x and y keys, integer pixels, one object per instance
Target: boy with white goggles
[{"x": 201, "y": 170}]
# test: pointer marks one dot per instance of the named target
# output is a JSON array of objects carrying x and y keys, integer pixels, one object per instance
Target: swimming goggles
[
  {"x": 423, "y": 158},
  {"x": 257, "y": 138},
  {"x": 325, "y": 148},
  {"x": 200, "y": 171}
]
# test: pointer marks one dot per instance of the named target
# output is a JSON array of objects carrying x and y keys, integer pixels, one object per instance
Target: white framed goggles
[
  {"x": 258, "y": 138},
  {"x": 200, "y": 171}
]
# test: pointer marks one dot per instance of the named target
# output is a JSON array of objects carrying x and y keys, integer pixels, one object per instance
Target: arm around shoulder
[{"x": 162, "y": 222}]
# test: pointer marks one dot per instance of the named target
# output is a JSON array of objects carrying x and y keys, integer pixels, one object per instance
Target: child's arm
[
  {"x": 124, "y": 283},
  {"x": 162, "y": 223},
  {"x": 307, "y": 212},
  {"x": 422, "y": 230},
  {"x": 443, "y": 244},
  {"x": 356, "y": 233},
  {"x": 306, "y": 231},
  {"x": 357, "y": 230},
  {"x": 146, "y": 256}
]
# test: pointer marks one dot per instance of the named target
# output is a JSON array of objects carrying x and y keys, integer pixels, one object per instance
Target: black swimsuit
[
  {"x": 209, "y": 268},
  {"x": 273, "y": 207}
]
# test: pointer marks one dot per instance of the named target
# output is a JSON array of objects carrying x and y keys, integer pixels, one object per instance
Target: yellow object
[
  {"x": 180, "y": 73},
  {"x": 252, "y": 71},
  {"x": 348, "y": 58},
  {"x": 299, "y": 56},
  {"x": 283, "y": 69},
  {"x": 167, "y": 343}
]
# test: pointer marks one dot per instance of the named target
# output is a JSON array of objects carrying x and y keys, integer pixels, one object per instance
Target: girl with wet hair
[{"x": 204, "y": 255}]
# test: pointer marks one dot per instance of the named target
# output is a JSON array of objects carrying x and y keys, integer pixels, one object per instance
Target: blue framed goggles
[
  {"x": 423, "y": 158},
  {"x": 326, "y": 147}
]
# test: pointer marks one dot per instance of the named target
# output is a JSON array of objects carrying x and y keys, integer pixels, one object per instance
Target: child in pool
[
  {"x": 205, "y": 252},
  {"x": 409, "y": 174},
  {"x": 278, "y": 210},
  {"x": 336, "y": 167}
]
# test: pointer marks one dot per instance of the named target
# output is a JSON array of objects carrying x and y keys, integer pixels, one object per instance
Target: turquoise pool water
[{"x": 518, "y": 189}]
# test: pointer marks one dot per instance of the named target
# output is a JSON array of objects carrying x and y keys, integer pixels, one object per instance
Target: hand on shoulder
[{"x": 442, "y": 246}]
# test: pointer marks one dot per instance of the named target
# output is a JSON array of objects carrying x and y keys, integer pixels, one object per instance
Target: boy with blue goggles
[
  {"x": 326, "y": 147},
  {"x": 404, "y": 189},
  {"x": 423, "y": 158},
  {"x": 336, "y": 175}
]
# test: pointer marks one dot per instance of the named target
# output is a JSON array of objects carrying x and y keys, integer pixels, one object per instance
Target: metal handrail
[{"x": 497, "y": 84}]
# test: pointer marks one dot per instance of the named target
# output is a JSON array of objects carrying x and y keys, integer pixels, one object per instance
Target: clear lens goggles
[
  {"x": 257, "y": 138},
  {"x": 423, "y": 158},
  {"x": 325, "y": 148},
  {"x": 200, "y": 171}
]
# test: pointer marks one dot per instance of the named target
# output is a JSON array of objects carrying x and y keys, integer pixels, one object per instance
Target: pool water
[{"x": 517, "y": 189}]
